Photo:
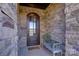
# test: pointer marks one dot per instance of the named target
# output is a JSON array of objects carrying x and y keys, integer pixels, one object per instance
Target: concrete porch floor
[{"x": 39, "y": 52}]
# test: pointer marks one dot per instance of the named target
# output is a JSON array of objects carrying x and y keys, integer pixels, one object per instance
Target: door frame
[{"x": 27, "y": 23}]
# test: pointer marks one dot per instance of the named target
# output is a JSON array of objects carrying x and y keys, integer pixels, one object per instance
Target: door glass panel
[{"x": 32, "y": 26}]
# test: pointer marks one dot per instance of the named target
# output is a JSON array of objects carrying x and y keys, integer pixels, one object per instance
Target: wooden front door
[{"x": 33, "y": 36}]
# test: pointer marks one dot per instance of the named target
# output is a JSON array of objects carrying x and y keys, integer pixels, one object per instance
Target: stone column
[
  {"x": 8, "y": 30},
  {"x": 72, "y": 29}
]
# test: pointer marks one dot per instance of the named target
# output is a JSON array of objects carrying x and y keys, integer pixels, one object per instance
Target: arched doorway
[{"x": 33, "y": 26}]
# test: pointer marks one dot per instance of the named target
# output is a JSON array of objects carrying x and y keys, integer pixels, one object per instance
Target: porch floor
[{"x": 39, "y": 52}]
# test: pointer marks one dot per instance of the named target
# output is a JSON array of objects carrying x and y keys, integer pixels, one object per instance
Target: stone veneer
[
  {"x": 8, "y": 30},
  {"x": 72, "y": 29},
  {"x": 60, "y": 20}
]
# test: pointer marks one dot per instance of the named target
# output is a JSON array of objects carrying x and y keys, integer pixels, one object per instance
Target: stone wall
[
  {"x": 8, "y": 30},
  {"x": 56, "y": 22},
  {"x": 72, "y": 29}
]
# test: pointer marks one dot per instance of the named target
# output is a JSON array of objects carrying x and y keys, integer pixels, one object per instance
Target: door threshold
[{"x": 35, "y": 46}]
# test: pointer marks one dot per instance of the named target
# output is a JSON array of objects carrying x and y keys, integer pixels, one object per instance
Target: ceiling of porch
[{"x": 36, "y": 5}]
